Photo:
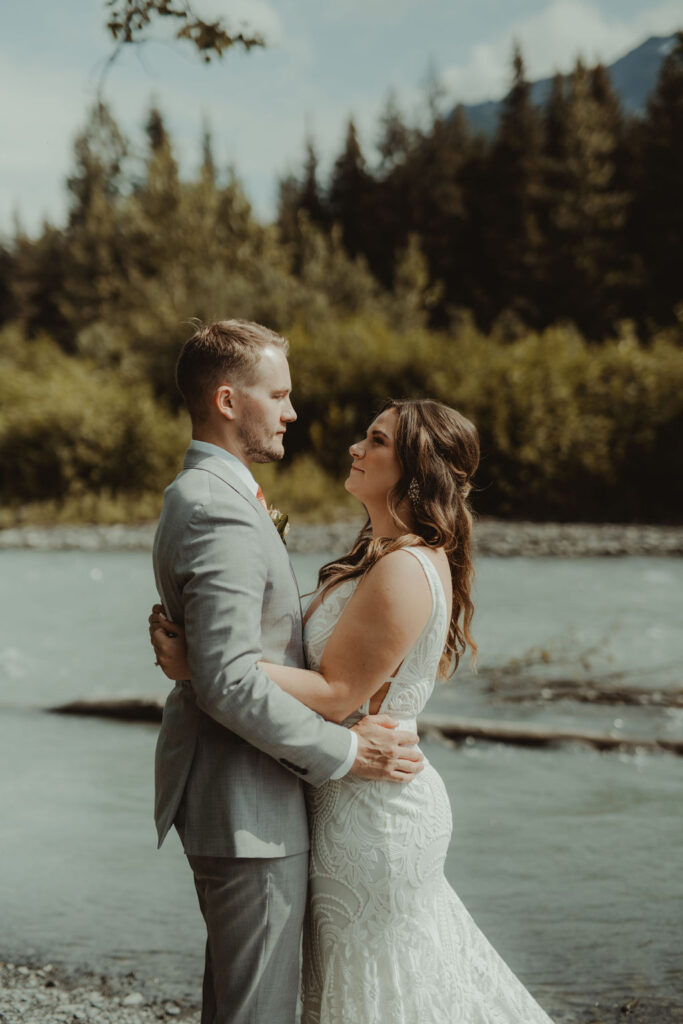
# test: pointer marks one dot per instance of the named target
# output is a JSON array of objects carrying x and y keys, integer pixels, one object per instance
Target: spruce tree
[
  {"x": 96, "y": 250},
  {"x": 310, "y": 198},
  {"x": 38, "y": 286},
  {"x": 7, "y": 307},
  {"x": 584, "y": 208},
  {"x": 208, "y": 168},
  {"x": 393, "y": 212},
  {"x": 513, "y": 227},
  {"x": 395, "y": 138},
  {"x": 658, "y": 217},
  {"x": 155, "y": 130},
  {"x": 427, "y": 199},
  {"x": 289, "y": 194},
  {"x": 351, "y": 193}
]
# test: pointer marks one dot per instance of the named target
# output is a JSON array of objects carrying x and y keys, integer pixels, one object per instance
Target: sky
[{"x": 326, "y": 60}]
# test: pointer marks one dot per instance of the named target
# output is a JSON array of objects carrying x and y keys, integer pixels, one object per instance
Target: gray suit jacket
[{"x": 233, "y": 748}]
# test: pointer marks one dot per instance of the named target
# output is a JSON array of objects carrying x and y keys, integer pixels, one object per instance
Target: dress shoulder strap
[{"x": 433, "y": 578}]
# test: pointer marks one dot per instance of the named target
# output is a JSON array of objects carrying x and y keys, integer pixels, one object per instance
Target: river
[{"x": 570, "y": 860}]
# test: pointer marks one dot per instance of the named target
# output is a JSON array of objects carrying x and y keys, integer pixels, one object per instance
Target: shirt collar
[{"x": 238, "y": 467}]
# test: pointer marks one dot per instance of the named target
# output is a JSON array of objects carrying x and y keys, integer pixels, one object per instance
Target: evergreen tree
[
  {"x": 658, "y": 216},
  {"x": 413, "y": 294},
  {"x": 420, "y": 194},
  {"x": 310, "y": 199},
  {"x": 96, "y": 249},
  {"x": 7, "y": 304},
  {"x": 156, "y": 234},
  {"x": 392, "y": 215},
  {"x": 395, "y": 138},
  {"x": 155, "y": 129},
  {"x": 584, "y": 210},
  {"x": 289, "y": 194},
  {"x": 431, "y": 189},
  {"x": 38, "y": 285},
  {"x": 350, "y": 195},
  {"x": 512, "y": 231},
  {"x": 300, "y": 200},
  {"x": 208, "y": 170}
]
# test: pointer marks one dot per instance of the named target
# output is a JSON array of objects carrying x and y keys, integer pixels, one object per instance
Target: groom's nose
[{"x": 289, "y": 413}]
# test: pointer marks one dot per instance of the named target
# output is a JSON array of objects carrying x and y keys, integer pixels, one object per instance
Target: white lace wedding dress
[{"x": 386, "y": 940}]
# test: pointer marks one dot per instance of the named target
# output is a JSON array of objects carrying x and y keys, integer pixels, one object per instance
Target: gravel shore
[
  {"x": 42, "y": 995},
  {"x": 39, "y": 995},
  {"x": 493, "y": 537}
]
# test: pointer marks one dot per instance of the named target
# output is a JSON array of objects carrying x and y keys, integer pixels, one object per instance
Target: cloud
[
  {"x": 341, "y": 10},
  {"x": 551, "y": 40}
]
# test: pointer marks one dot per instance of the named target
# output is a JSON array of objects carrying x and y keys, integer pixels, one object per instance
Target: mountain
[{"x": 633, "y": 78}]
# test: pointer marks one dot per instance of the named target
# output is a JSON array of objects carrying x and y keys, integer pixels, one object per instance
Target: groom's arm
[{"x": 223, "y": 575}]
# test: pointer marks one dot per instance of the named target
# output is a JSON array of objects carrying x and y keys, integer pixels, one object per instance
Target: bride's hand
[{"x": 168, "y": 640}]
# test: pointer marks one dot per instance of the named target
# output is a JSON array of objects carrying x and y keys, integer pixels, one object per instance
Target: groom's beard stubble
[{"x": 256, "y": 447}]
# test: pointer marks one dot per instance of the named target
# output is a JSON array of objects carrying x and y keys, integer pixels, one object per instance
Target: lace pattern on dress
[{"x": 386, "y": 939}]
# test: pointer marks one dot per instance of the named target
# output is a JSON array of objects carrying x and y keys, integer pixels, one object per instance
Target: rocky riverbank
[
  {"x": 31, "y": 994},
  {"x": 493, "y": 537},
  {"x": 43, "y": 995}
]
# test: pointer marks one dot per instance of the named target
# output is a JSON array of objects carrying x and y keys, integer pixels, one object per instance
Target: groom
[{"x": 234, "y": 748}]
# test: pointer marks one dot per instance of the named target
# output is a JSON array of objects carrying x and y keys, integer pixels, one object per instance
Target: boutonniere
[{"x": 281, "y": 522}]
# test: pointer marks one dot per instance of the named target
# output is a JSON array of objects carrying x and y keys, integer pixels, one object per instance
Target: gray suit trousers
[{"x": 253, "y": 908}]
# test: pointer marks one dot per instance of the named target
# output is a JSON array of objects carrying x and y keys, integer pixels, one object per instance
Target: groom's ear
[{"x": 223, "y": 398}]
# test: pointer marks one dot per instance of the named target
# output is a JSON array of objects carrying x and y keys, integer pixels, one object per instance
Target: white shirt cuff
[{"x": 344, "y": 768}]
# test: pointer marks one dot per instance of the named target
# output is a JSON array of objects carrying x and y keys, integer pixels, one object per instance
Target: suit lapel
[{"x": 217, "y": 466}]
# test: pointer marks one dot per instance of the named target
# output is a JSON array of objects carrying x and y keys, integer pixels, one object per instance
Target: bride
[{"x": 386, "y": 939}]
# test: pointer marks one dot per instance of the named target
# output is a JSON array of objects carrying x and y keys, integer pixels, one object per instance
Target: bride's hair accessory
[{"x": 414, "y": 496}]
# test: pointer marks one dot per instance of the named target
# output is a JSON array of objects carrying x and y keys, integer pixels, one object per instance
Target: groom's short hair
[{"x": 221, "y": 352}]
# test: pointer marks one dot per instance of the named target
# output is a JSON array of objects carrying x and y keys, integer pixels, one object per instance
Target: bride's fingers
[
  {"x": 158, "y": 614},
  {"x": 167, "y": 628},
  {"x": 163, "y": 645}
]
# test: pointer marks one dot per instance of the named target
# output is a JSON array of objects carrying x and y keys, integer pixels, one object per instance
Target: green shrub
[
  {"x": 569, "y": 430},
  {"x": 305, "y": 491},
  {"x": 67, "y": 428}
]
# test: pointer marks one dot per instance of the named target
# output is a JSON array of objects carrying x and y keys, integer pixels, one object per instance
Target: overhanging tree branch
[{"x": 129, "y": 20}]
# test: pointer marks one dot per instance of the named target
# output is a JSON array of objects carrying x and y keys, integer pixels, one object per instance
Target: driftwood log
[
  {"x": 534, "y": 735},
  {"x": 137, "y": 709},
  {"x": 126, "y": 709}
]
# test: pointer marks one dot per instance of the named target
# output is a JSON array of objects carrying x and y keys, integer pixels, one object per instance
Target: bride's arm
[{"x": 379, "y": 625}]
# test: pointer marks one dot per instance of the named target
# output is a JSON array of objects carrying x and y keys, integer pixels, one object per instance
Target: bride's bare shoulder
[{"x": 399, "y": 577}]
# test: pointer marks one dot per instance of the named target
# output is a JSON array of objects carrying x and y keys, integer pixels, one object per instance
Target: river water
[{"x": 570, "y": 860}]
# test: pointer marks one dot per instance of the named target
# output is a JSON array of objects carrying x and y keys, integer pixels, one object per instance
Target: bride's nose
[{"x": 356, "y": 451}]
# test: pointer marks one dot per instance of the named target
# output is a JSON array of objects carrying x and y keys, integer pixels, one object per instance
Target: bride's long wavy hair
[{"x": 438, "y": 449}]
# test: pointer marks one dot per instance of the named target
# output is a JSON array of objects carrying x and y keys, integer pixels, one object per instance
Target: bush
[
  {"x": 67, "y": 428},
  {"x": 304, "y": 490},
  {"x": 569, "y": 430}
]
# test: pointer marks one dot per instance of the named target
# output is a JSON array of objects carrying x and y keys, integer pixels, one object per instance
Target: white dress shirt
[
  {"x": 243, "y": 473},
  {"x": 235, "y": 464}
]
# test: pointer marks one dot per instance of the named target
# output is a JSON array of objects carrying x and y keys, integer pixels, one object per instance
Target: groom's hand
[{"x": 386, "y": 752}]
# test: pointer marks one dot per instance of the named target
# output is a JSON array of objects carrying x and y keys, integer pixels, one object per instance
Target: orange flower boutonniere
[{"x": 281, "y": 522}]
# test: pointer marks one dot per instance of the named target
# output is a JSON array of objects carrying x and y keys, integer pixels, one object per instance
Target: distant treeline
[
  {"x": 572, "y": 212},
  {"x": 450, "y": 274}
]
